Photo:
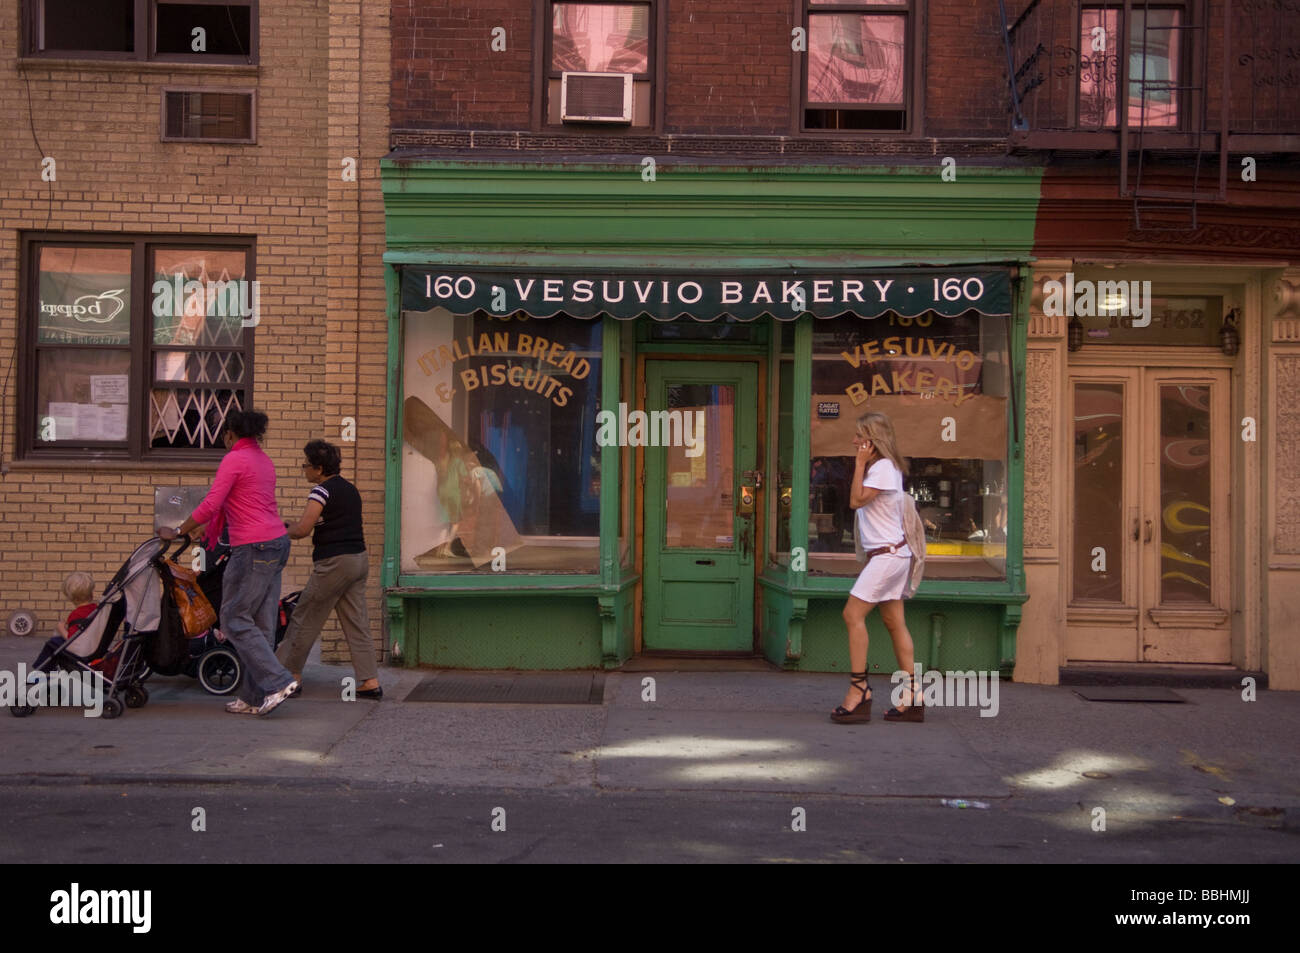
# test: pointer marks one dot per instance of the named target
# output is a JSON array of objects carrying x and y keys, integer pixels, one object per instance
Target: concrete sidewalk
[{"x": 706, "y": 731}]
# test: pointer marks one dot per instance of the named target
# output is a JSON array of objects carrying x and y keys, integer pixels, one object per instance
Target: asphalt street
[
  {"x": 313, "y": 822},
  {"x": 714, "y": 766}
]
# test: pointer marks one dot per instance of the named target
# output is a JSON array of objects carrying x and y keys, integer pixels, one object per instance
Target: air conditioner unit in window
[{"x": 596, "y": 97}]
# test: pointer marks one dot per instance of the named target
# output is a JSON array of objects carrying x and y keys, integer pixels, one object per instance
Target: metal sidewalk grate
[
  {"x": 524, "y": 688},
  {"x": 1127, "y": 693}
]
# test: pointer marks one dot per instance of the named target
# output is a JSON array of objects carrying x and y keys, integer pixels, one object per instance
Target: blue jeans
[{"x": 250, "y": 599}]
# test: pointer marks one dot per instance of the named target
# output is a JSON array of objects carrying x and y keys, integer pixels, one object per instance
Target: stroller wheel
[
  {"x": 219, "y": 671},
  {"x": 21, "y": 711},
  {"x": 137, "y": 696},
  {"x": 112, "y": 708}
]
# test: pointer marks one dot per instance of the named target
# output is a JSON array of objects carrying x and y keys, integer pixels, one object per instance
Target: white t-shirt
[{"x": 880, "y": 522}]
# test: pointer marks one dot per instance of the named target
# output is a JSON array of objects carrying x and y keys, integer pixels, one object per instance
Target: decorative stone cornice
[
  {"x": 1044, "y": 325},
  {"x": 1284, "y": 303}
]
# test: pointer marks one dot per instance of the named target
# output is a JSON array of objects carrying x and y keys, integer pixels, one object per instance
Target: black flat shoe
[{"x": 372, "y": 693}]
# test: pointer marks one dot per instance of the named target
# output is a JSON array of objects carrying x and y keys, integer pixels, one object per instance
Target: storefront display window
[
  {"x": 501, "y": 469},
  {"x": 943, "y": 381}
]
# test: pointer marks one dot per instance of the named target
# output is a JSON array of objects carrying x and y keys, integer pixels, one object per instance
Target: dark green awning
[{"x": 743, "y": 296}]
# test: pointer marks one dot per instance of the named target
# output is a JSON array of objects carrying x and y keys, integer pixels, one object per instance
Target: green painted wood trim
[
  {"x": 611, "y": 500},
  {"x": 415, "y": 590},
  {"x": 498, "y": 584},
  {"x": 1011, "y": 616},
  {"x": 394, "y": 620},
  {"x": 801, "y": 413},
  {"x": 491, "y": 257},
  {"x": 423, "y": 592},
  {"x": 794, "y": 634},
  {"x": 393, "y": 430},
  {"x": 694, "y": 347},
  {"x": 1019, "y": 328},
  {"x": 778, "y": 212},
  {"x": 610, "y": 341},
  {"x": 772, "y": 498},
  {"x": 837, "y": 587},
  {"x": 609, "y": 606}
]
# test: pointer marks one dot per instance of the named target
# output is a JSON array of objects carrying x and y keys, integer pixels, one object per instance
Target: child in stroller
[
  {"x": 79, "y": 589},
  {"x": 213, "y": 660},
  {"x": 108, "y": 642}
]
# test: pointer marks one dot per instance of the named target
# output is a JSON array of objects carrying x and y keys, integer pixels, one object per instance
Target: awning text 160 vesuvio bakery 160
[{"x": 707, "y": 297}]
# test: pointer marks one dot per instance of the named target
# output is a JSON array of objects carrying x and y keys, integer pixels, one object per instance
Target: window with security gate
[{"x": 134, "y": 348}]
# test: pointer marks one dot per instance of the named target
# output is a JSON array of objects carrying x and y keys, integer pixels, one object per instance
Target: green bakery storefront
[{"x": 621, "y": 412}]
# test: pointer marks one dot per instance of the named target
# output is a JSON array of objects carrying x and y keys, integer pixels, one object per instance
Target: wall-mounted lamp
[
  {"x": 1114, "y": 303},
  {"x": 1229, "y": 336},
  {"x": 1074, "y": 334}
]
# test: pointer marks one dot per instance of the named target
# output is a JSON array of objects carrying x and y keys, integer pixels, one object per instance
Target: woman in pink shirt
[{"x": 242, "y": 498}]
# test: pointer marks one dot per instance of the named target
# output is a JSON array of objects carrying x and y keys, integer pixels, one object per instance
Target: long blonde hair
[{"x": 879, "y": 429}]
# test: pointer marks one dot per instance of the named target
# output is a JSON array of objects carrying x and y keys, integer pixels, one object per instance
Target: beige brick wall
[
  {"x": 100, "y": 122},
  {"x": 356, "y": 334}
]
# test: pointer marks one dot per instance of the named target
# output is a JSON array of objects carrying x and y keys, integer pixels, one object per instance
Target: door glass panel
[
  {"x": 698, "y": 436},
  {"x": 1098, "y": 493},
  {"x": 1185, "y": 455}
]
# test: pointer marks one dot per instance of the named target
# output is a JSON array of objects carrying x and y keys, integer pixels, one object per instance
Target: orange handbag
[{"x": 197, "y": 614}]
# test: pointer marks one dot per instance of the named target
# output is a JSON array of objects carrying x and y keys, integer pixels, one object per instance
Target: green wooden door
[{"x": 699, "y": 550}]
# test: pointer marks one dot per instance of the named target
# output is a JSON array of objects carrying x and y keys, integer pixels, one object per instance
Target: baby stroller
[
  {"x": 213, "y": 660},
  {"x": 115, "y": 640}
]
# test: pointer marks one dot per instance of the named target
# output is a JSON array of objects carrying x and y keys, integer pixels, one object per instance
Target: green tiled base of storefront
[
  {"x": 967, "y": 637},
  {"x": 541, "y": 632}
]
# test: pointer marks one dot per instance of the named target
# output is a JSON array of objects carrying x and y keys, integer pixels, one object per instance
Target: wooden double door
[{"x": 1150, "y": 550}]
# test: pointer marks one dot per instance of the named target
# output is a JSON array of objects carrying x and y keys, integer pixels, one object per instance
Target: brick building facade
[
  {"x": 90, "y": 97},
  {"x": 795, "y": 136},
  {"x": 410, "y": 158}
]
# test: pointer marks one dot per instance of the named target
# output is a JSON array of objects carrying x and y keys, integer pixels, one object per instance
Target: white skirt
[{"x": 883, "y": 579}]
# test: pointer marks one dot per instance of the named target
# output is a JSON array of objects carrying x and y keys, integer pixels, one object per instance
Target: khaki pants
[{"x": 338, "y": 582}]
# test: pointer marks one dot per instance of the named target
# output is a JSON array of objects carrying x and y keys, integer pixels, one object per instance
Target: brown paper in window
[{"x": 981, "y": 426}]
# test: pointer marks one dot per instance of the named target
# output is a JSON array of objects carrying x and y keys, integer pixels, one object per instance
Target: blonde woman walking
[{"x": 876, "y": 493}]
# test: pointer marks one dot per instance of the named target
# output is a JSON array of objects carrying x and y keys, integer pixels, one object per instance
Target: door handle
[
  {"x": 745, "y": 504},
  {"x": 1148, "y": 533},
  {"x": 1137, "y": 529}
]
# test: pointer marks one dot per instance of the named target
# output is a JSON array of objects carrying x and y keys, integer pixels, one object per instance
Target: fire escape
[{"x": 1136, "y": 80}]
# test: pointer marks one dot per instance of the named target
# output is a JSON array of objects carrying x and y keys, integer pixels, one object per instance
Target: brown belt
[{"x": 886, "y": 549}]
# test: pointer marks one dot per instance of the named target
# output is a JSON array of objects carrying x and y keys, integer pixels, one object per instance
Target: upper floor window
[
  {"x": 133, "y": 347},
  {"x": 1149, "y": 47},
  {"x": 858, "y": 67},
  {"x": 208, "y": 115},
  {"x": 143, "y": 30},
  {"x": 614, "y": 40}
]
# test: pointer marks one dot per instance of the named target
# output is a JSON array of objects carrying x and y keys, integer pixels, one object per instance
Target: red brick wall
[
  {"x": 966, "y": 76},
  {"x": 729, "y": 67},
  {"x": 445, "y": 73}
]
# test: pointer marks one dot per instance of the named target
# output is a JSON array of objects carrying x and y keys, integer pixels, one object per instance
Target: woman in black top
[{"x": 338, "y": 572}]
